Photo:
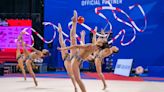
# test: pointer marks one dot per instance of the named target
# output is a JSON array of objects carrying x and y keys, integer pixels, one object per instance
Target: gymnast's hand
[
  {"x": 58, "y": 48},
  {"x": 82, "y": 32}
]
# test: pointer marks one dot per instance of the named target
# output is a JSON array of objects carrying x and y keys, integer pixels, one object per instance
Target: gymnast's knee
[
  {"x": 78, "y": 79},
  {"x": 27, "y": 63},
  {"x": 71, "y": 75},
  {"x": 99, "y": 73}
]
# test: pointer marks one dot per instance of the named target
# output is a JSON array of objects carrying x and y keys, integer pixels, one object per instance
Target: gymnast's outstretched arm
[
  {"x": 94, "y": 36},
  {"x": 37, "y": 51},
  {"x": 74, "y": 47}
]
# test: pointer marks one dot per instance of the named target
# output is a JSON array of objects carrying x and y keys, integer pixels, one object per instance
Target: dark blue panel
[{"x": 147, "y": 49}]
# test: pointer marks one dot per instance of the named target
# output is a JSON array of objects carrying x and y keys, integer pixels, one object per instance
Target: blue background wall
[{"x": 146, "y": 50}]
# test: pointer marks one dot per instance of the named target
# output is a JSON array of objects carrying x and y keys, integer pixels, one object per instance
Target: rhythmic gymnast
[
  {"x": 104, "y": 51},
  {"x": 75, "y": 50},
  {"x": 30, "y": 56},
  {"x": 66, "y": 57},
  {"x": 100, "y": 54},
  {"x": 85, "y": 51},
  {"x": 20, "y": 57}
]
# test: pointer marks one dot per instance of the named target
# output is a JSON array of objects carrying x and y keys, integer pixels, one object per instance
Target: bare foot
[
  {"x": 74, "y": 18},
  {"x": 36, "y": 83},
  {"x": 76, "y": 90},
  {"x": 59, "y": 27},
  {"x": 105, "y": 86},
  {"x": 25, "y": 78}
]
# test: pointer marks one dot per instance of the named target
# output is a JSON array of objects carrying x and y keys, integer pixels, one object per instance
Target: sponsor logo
[{"x": 99, "y": 2}]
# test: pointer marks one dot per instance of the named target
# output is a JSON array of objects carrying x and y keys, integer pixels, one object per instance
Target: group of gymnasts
[
  {"x": 28, "y": 57},
  {"x": 95, "y": 51}
]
